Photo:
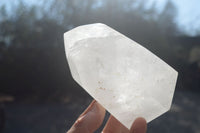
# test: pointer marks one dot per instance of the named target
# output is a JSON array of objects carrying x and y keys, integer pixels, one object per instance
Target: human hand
[{"x": 92, "y": 118}]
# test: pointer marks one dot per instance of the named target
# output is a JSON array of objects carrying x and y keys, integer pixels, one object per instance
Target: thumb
[{"x": 89, "y": 120}]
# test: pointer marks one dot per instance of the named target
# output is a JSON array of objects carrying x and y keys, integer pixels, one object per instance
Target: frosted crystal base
[{"x": 124, "y": 77}]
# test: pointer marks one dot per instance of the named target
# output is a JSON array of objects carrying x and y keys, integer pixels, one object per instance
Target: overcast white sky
[{"x": 188, "y": 17}]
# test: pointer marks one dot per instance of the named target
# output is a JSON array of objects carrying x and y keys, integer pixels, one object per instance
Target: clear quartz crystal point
[{"x": 123, "y": 76}]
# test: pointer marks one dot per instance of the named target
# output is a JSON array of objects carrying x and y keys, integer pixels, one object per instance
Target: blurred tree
[
  {"x": 166, "y": 19},
  {"x": 32, "y": 59}
]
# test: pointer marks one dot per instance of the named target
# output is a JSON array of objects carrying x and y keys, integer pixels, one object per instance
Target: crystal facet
[{"x": 123, "y": 76}]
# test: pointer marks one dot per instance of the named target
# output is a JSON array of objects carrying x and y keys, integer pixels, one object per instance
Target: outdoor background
[{"x": 37, "y": 92}]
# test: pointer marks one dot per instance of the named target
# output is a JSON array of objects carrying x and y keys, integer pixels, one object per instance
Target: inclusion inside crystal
[{"x": 123, "y": 76}]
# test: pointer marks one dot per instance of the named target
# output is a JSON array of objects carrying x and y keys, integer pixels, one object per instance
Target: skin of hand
[{"x": 92, "y": 118}]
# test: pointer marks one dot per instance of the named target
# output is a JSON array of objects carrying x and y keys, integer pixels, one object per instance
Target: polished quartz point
[{"x": 123, "y": 76}]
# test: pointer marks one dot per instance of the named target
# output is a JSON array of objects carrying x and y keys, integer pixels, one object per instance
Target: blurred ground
[{"x": 57, "y": 118}]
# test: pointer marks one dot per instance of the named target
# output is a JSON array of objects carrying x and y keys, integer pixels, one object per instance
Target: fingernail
[
  {"x": 93, "y": 107},
  {"x": 79, "y": 120}
]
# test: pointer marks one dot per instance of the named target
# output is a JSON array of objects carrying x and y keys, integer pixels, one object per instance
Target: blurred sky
[{"x": 188, "y": 12}]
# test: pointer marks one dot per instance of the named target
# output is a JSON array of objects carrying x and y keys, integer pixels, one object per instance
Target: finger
[
  {"x": 114, "y": 126},
  {"x": 139, "y": 126},
  {"x": 89, "y": 120}
]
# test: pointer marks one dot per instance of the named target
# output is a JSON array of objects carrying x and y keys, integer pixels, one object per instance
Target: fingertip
[
  {"x": 90, "y": 119},
  {"x": 141, "y": 120},
  {"x": 102, "y": 111},
  {"x": 114, "y": 126},
  {"x": 139, "y": 126}
]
